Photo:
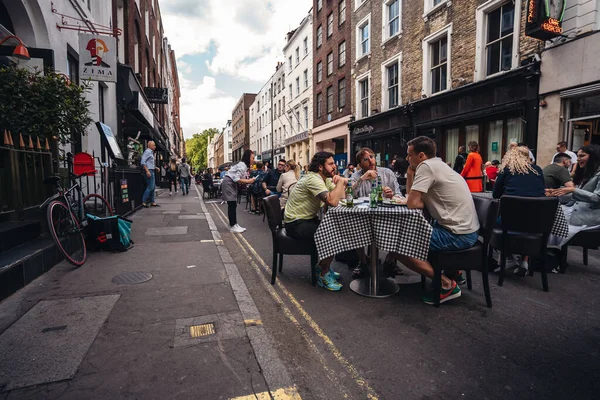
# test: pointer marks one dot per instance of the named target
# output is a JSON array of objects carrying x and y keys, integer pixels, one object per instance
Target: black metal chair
[
  {"x": 586, "y": 239},
  {"x": 283, "y": 244},
  {"x": 473, "y": 258},
  {"x": 525, "y": 227},
  {"x": 208, "y": 189}
]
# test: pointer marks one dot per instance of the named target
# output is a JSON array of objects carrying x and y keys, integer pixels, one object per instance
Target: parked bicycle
[{"x": 67, "y": 212}]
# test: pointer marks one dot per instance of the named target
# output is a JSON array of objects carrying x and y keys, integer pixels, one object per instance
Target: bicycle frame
[{"x": 63, "y": 196}]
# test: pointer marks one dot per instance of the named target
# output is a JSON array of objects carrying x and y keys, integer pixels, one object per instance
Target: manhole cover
[{"x": 129, "y": 278}]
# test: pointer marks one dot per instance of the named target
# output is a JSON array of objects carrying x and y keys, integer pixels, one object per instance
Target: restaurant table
[
  {"x": 560, "y": 226},
  {"x": 393, "y": 229}
]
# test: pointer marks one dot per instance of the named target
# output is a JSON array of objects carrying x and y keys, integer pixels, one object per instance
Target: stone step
[{"x": 15, "y": 233}]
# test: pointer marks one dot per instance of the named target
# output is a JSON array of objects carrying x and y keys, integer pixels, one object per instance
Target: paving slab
[
  {"x": 167, "y": 230},
  {"x": 49, "y": 342}
]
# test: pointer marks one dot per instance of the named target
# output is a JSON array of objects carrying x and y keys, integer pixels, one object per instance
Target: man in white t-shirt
[
  {"x": 432, "y": 184},
  {"x": 561, "y": 147}
]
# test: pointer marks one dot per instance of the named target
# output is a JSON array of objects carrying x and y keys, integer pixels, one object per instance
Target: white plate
[{"x": 362, "y": 199}]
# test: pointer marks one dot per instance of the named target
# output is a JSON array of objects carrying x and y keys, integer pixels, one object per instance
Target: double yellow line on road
[{"x": 261, "y": 269}]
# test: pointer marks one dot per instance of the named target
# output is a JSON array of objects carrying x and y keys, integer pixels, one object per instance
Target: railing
[
  {"x": 136, "y": 184},
  {"x": 22, "y": 171}
]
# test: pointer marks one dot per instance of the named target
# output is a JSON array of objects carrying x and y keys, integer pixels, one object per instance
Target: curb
[{"x": 278, "y": 381}]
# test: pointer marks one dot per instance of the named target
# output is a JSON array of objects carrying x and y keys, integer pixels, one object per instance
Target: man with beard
[
  {"x": 361, "y": 186},
  {"x": 269, "y": 184},
  {"x": 320, "y": 185}
]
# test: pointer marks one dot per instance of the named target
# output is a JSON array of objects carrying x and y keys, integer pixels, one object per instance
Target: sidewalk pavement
[{"x": 74, "y": 333}]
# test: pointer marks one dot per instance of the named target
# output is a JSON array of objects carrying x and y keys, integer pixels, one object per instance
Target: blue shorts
[{"x": 444, "y": 240}]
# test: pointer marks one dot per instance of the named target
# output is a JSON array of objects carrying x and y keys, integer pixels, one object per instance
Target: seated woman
[
  {"x": 519, "y": 177},
  {"x": 583, "y": 209},
  {"x": 287, "y": 179}
]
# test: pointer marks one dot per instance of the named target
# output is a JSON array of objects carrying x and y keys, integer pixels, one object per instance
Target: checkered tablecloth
[
  {"x": 396, "y": 229},
  {"x": 560, "y": 227}
]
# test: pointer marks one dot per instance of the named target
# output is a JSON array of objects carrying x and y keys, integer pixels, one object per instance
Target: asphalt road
[{"x": 530, "y": 345}]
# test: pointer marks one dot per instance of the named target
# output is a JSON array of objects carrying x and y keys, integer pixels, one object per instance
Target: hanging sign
[
  {"x": 97, "y": 57},
  {"x": 124, "y": 191},
  {"x": 544, "y": 18}
]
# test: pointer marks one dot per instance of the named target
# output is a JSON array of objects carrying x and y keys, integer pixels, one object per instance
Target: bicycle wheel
[
  {"x": 96, "y": 205},
  {"x": 67, "y": 233}
]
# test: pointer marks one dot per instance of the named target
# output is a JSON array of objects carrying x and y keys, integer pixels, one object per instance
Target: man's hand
[
  {"x": 369, "y": 175},
  {"x": 148, "y": 173},
  {"x": 337, "y": 178},
  {"x": 560, "y": 192},
  {"x": 267, "y": 192},
  {"x": 252, "y": 180},
  {"x": 388, "y": 192},
  {"x": 410, "y": 171}
]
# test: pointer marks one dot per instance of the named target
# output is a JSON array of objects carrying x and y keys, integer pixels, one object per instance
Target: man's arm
[
  {"x": 415, "y": 200},
  {"x": 333, "y": 197}
]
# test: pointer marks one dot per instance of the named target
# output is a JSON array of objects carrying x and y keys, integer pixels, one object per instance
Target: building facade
[
  {"x": 466, "y": 72},
  {"x": 280, "y": 123},
  {"x": 261, "y": 123},
  {"x": 298, "y": 111},
  {"x": 211, "y": 150},
  {"x": 332, "y": 77},
  {"x": 569, "y": 96},
  {"x": 241, "y": 126}
]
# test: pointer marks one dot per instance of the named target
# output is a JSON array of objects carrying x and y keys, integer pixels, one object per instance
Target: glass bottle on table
[
  {"x": 379, "y": 190},
  {"x": 373, "y": 198},
  {"x": 349, "y": 196}
]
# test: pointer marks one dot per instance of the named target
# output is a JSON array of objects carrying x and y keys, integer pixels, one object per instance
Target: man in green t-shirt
[
  {"x": 321, "y": 185},
  {"x": 557, "y": 174}
]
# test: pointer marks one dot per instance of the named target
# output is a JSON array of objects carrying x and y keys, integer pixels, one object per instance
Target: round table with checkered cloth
[
  {"x": 560, "y": 226},
  {"x": 393, "y": 229}
]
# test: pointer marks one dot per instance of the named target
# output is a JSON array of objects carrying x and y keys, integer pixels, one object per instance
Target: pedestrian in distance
[
  {"x": 149, "y": 167},
  {"x": 184, "y": 176},
  {"x": 172, "y": 176},
  {"x": 229, "y": 187}
]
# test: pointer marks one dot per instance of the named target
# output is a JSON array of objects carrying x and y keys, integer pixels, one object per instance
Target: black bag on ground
[{"x": 110, "y": 233}]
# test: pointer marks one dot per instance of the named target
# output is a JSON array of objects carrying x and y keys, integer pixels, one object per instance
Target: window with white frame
[
  {"x": 499, "y": 39},
  {"x": 291, "y": 92},
  {"x": 329, "y": 63},
  {"x": 330, "y": 25},
  {"x": 391, "y": 18},
  {"x": 342, "y": 93},
  {"x": 319, "y": 5},
  {"x": 391, "y": 75},
  {"x": 431, "y": 5},
  {"x": 298, "y": 121},
  {"x": 305, "y": 117},
  {"x": 290, "y": 63},
  {"x": 319, "y": 71},
  {"x": 305, "y": 79},
  {"x": 297, "y": 55},
  {"x": 297, "y": 86},
  {"x": 319, "y": 104},
  {"x": 363, "y": 36},
  {"x": 437, "y": 61},
  {"x": 319, "y": 36},
  {"x": 305, "y": 46},
  {"x": 342, "y": 12},
  {"x": 358, "y": 3},
  {"x": 342, "y": 54},
  {"x": 329, "y": 99},
  {"x": 363, "y": 89}
]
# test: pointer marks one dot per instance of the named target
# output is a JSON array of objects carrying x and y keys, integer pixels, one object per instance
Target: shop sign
[
  {"x": 266, "y": 155},
  {"x": 280, "y": 150},
  {"x": 124, "y": 191},
  {"x": 98, "y": 57},
  {"x": 494, "y": 147},
  {"x": 365, "y": 129},
  {"x": 144, "y": 109},
  {"x": 157, "y": 95},
  {"x": 544, "y": 18},
  {"x": 297, "y": 138}
]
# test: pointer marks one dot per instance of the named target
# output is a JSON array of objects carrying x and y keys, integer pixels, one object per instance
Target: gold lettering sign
[
  {"x": 531, "y": 12},
  {"x": 552, "y": 25}
]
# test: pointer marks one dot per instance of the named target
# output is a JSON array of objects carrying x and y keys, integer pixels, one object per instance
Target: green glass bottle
[
  {"x": 349, "y": 196},
  {"x": 379, "y": 190}
]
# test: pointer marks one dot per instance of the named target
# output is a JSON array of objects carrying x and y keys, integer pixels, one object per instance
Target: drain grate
[
  {"x": 130, "y": 278},
  {"x": 202, "y": 330}
]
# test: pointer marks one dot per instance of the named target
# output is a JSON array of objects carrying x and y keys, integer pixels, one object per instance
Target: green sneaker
[
  {"x": 328, "y": 282},
  {"x": 445, "y": 295},
  {"x": 332, "y": 273}
]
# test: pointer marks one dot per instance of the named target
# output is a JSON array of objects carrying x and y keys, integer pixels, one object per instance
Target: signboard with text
[
  {"x": 98, "y": 57},
  {"x": 544, "y": 18},
  {"x": 157, "y": 95}
]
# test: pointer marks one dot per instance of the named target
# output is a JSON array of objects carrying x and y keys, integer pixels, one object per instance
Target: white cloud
[
  {"x": 203, "y": 106},
  {"x": 248, "y": 35}
]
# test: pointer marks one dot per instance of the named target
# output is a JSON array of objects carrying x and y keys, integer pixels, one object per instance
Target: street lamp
[{"x": 20, "y": 51}]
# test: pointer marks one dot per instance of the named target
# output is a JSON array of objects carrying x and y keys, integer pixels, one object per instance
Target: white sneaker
[
  {"x": 170, "y": 193},
  {"x": 239, "y": 227},
  {"x": 236, "y": 229}
]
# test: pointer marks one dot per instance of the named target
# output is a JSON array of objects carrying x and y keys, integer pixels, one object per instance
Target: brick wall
[
  {"x": 240, "y": 125},
  {"x": 340, "y": 34}
]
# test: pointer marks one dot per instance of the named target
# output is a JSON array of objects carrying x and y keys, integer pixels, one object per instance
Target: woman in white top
[
  {"x": 291, "y": 176},
  {"x": 229, "y": 187}
]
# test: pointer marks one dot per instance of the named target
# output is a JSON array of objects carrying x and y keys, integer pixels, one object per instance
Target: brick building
[
  {"x": 465, "y": 71},
  {"x": 333, "y": 58},
  {"x": 240, "y": 126}
]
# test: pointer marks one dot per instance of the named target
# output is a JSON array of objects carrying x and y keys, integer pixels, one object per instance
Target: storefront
[
  {"x": 297, "y": 148},
  {"x": 493, "y": 112},
  {"x": 569, "y": 102},
  {"x": 334, "y": 137},
  {"x": 279, "y": 154},
  {"x": 385, "y": 133}
]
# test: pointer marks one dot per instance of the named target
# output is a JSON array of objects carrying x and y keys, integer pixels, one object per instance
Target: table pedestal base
[{"x": 385, "y": 288}]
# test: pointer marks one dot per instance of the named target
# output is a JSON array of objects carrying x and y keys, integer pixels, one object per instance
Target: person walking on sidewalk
[
  {"x": 229, "y": 188},
  {"x": 149, "y": 167},
  {"x": 172, "y": 176},
  {"x": 184, "y": 176}
]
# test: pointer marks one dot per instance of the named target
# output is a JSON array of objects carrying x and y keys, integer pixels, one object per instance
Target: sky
[{"x": 225, "y": 48}]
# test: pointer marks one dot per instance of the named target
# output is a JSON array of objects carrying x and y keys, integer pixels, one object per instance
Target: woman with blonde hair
[
  {"x": 287, "y": 179},
  {"x": 519, "y": 177},
  {"x": 473, "y": 169}
]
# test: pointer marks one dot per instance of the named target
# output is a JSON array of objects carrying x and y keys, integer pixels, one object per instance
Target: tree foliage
[
  {"x": 46, "y": 105},
  {"x": 196, "y": 148}
]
